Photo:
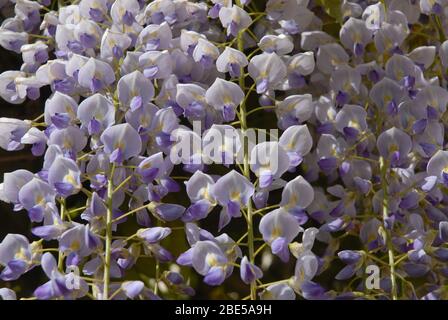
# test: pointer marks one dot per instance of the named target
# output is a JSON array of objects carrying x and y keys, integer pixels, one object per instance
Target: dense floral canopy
[{"x": 352, "y": 176}]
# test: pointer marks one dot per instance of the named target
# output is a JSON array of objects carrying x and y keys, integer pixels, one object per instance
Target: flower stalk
[
  {"x": 388, "y": 240},
  {"x": 109, "y": 221}
]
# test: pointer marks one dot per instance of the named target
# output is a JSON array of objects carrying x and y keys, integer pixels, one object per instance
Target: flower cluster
[{"x": 358, "y": 175}]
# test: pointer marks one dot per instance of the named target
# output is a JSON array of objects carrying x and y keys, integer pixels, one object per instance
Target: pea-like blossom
[
  {"x": 15, "y": 256},
  {"x": 231, "y": 61},
  {"x": 224, "y": 96},
  {"x": 267, "y": 70},
  {"x": 95, "y": 75},
  {"x": 64, "y": 176},
  {"x": 313, "y": 131},
  {"x": 268, "y": 161},
  {"x": 36, "y": 196},
  {"x": 209, "y": 260},
  {"x": 134, "y": 90},
  {"x": 297, "y": 195},
  {"x": 234, "y": 19},
  {"x": 279, "y": 228},
  {"x": 121, "y": 142},
  {"x": 233, "y": 192}
]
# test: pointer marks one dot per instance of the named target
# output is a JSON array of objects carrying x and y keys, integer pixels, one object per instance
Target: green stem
[
  {"x": 439, "y": 28},
  {"x": 274, "y": 206},
  {"x": 390, "y": 251},
  {"x": 61, "y": 254},
  {"x": 131, "y": 212},
  {"x": 260, "y": 108},
  {"x": 260, "y": 249},
  {"x": 264, "y": 285},
  {"x": 246, "y": 172},
  {"x": 122, "y": 184},
  {"x": 109, "y": 221}
]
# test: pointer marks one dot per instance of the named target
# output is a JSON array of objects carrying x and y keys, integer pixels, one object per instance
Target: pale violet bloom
[
  {"x": 279, "y": 229},
  {"x": 87, "y": 35},
  {"x": 95, "y": 10},
  {"x": 66, "y": 40},
  {"x": 71, "y": 140},
  {"x": 64, "y": 175},
  {"x": 96, "y": 113},
  {"x": 307, "y": 266},
  {"x": 8, "y": 88},
  {"x": 96, "y": 75},
  {"x": 351, "y": 121},
  {"x": 374, "y": 15},
  {"x": 234, "y": 19},
  {"x": 329, "y": 56},
  {"x": 280, "y": 44},
  {"x": 394, "y": 145},
  {"x": 392, "y": 33},
  {"x": 294, "y": 109},
  {"x": 15, "y": 256},
  {"x": 134, "y": 90},
  {"x": 186, "y": 149},
  {"x": 267, "y": 70},
  {"x": 121, "y": 142},
  {"x": 199, "y": 188},
  {"x": 299, "y": 66},
  {"x": 438, "y": 167},
  {"x": 233, "y": 192},
  {"x": 156, "y": 64},
  {"x": 209, "y": 260},
  {"x": 269, "y": 161},
  {"x": 132, "y": 289},
  {"x": 423, "y": 56},
  {"x": 188, "y": 40},
  {"x": 301, "y": 19},
  {"x": 7, "y": 294},
  {"x": 124, "y": 11},
  {"x": 191, "y": 98},
  {"x": 355, "y": 35},
  {"x": 12, "y": 183},
  {"x": 11, "y": 40},
  {"x": 35, "y": 196},
  {"x": 443, "y": 54},
  {"x": 34, "y": 54},
  {"x": 311, "y": 40},
  {"x": 387, "y": 94},
  {"x": 249, "y": 272},
  {"x": 345, "y": 82},
  {"x": 11, "y": 132},
  {"x": 297, "y": 142},
  {"x": 224, "y": 96},
  {"x": 221, "y": 144},
  {"x": 151, "y": 168},
  {"x": 431, "y": 6},
  {"x": 160, "y": 11},
  {"x": 280, "y": 291},
  {"x": 217, "y": 5},
  {"x": 153, "y": 235},
  {"x": 297, "y": 195},
  {"x": 57, "y": 286},
  {"x": 60, "y": 110},
  {"x": 113, "y": 45},
  {"x": 205, "y": 53},
  {"x": 231, "y": 61},
  {"x": 156, "y": 37}
]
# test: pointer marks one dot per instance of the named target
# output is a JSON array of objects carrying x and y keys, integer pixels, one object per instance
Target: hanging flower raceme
[{"x": 311, "y": 132}]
